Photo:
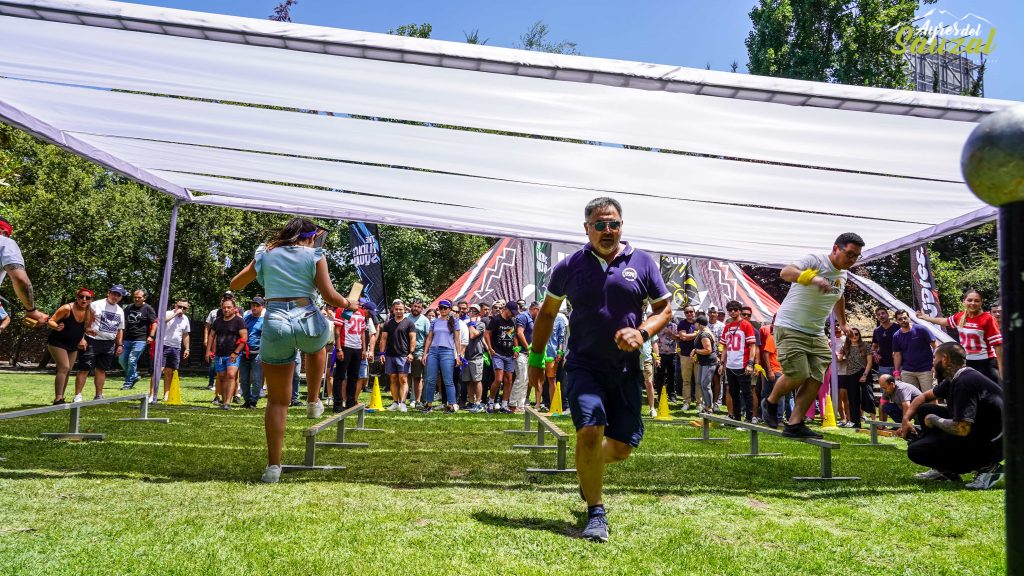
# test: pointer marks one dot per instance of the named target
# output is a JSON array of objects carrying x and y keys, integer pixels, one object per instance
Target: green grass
[{"x": 441, "y": 494}]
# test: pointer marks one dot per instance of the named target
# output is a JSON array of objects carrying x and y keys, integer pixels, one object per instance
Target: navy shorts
[
  {"x": 609, "y": 399},
  {"x": 172, "y": 358},
  {"x": 397, "y": 365}
]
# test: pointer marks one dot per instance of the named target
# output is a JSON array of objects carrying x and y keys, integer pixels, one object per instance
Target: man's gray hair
[{"x": 601, "y": 202}]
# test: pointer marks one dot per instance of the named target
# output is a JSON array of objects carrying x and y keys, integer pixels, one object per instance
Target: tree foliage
[
  {"x": 283, "y": 11},
  {"x": 413, "y": 30},
  {"x": 845, "y": 41},
  {"x": 536, "y": 39}
]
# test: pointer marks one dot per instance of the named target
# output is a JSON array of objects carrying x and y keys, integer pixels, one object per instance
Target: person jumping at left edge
[
  {"x": 609, "y": 284},
  {"x": 818, "y": 284}
]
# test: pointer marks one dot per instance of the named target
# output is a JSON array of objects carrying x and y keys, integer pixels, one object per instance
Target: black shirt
[
  {"x": 226, "y": 334},
  {"x": 399, "y": 334},
  {"x": 686, "y": 327},
  {"x": 973, "y": 398},
  {"x": 503, "y": 335},
  {"x": 137, "y": 321}
]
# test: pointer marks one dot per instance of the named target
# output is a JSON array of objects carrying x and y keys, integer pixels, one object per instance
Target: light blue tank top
[{"x": 287, "y": 271}]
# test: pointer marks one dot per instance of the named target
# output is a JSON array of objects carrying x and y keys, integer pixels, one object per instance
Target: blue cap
[
  {"x": 368, "y": 304},
  {"x": 118, "y": 289},
  {"x": 445, "y": 303}
]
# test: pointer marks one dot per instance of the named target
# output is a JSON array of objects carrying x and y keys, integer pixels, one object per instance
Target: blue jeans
[
  {"x": 129, "y": 360},
  {"x": 704, "y": 375},
  {"x": 445, "y": 359},
  {"x": 250, "y": 375}
]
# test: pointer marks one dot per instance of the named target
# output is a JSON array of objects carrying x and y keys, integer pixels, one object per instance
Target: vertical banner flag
[
  {"x": 926, "y": 296},
  {"x": 542, "y": 256},
  {"x": 678, "y": 276},
  {"x": 366, "y": 258}
]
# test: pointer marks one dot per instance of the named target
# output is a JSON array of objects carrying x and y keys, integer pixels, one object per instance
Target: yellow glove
[
  {"x": 760, "y": 370},
  {"x": 806, "y": 276}
]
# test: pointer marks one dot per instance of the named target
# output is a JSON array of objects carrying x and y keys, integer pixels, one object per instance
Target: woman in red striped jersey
[{"x": 979, "y": 335}]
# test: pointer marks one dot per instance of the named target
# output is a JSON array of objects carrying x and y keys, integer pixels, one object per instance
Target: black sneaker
[
  {"x": 770, "y": 414},
  {"x": 337, "y": 408},
  {"x": 799, "y": 431},
  {"x": 297, "y": 403},
  {"x": 597, "y": 529},
  {"x": 126, "y": 387},
  {"x": 987, "y": 477}
]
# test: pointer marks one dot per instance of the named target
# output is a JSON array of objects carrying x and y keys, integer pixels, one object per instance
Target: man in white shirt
[
  {"x": 103, "y": 341},
  {"x": 176, "y": 343}
]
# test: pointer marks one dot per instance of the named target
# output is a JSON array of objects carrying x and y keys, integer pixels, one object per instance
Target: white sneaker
[
  {"x": 653, "y": 413},
  {"x": 393, "y": 407},
  {"x": 78, "y": 398},
  {"x": 315, "y": 411},
  {"x": 455, "y": 407},
  {"x": 931, "y": 474},
  {"x": 165, "y": 397},
  {"x": 686, "y": 406},
  {"x": 272, "y": 475},
  {"x": 402, "y": 407}
]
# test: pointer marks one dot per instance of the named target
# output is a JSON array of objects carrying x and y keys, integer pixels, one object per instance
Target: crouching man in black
[{"x": 963, "y": 435}]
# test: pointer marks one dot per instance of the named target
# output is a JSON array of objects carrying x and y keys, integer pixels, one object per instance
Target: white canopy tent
[
  {"x": 766, "y": 169},
  {"x": 302, "y": 119}
]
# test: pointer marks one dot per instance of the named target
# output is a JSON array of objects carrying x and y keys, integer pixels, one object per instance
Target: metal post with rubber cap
[{"x": 993, "y": 165}]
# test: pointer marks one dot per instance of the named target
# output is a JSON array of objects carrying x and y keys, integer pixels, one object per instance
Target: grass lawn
[{"x": 439, "y": 494}]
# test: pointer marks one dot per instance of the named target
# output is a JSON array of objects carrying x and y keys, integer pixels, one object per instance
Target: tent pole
[
  {"x": 833, "y": 379},
  {"x": 165, "y": 287},
  {"x": 993, "y": 165}
]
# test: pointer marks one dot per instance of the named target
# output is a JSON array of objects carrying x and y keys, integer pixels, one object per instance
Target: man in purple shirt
[
  {"x": 912, "y": 353},
  {"x": 881, "y": 341},
  {"x": 609, "y": 285}
]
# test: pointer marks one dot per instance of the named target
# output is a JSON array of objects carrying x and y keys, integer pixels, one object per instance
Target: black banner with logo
[
  {"x": 677, "y": 272},
  {"x": 542, "y": 258},
  {"x": 926, "y": 296},
  {"x": 367, "y": 260}
]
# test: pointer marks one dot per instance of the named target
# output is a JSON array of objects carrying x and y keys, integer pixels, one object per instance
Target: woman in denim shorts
[{"x": 290, "y": 268}]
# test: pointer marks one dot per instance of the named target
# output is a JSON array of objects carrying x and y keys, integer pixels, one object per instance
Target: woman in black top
[{"x": 67, "y": 337}]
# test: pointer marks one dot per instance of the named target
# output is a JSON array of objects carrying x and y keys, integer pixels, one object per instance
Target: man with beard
[
  {"x": 966, "y": 433},
  {"x": 139, "y": 331}
]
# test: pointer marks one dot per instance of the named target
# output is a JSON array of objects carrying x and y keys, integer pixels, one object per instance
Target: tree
[
  {"x": 474, "y": 37},
  {"x": 845, "y": 41},
  {"x": 536, "y": 39},
  {"x": 412, "y": 30},
  {"x": 283, "y": 11}
]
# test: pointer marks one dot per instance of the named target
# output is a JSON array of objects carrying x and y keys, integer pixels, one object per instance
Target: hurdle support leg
[
  {"x": 73, "y": 433},
  {"x": 360, "y": 423},
  {"x": 310, "y": 460},
  {"x": 755, "y": 447},
  {"x": 705, "y": 433},
  {"x": 526, "y": 426},
  {"x": 144, "y": 415},
  {"x": 826, "y": 468},
  {"x": 341, "y": 443}
]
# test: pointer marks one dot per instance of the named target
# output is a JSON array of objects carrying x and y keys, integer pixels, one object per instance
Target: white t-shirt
[
  {"x": 716, "y": 328},
  {"x": 806, "y": 308},
  {"x": 107, "y": 319},
  {"x": 175, "y": 330},
  {"x": 10, "y": 253}
]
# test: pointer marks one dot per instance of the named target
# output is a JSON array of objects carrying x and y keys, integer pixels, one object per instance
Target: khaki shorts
[
  {"x": 802, "y": 355},
  {"x": 648, "y": 370},
  {"x": 923, "y": 380}
]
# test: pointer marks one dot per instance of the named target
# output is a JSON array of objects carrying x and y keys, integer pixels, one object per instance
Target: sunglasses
[
  {"x": 687, "y": 311},
  {"x": 747, "y": 314},
  {"x": 445, "y": 307},
  {"x": 182, "y": 307},
  {"x": 604, "y": 224},
  {"x": 84, "y": 297}
]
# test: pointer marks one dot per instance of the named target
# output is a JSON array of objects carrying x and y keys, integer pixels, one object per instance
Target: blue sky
[{"x": 685, "y": 33}]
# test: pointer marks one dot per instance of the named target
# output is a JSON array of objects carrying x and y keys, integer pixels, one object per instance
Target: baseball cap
[
  {"x": 227, "y": 294},
  {"x": 513, "y": 307},
  {"x": 444, "y": 304},
  {"x": 118, "y": 289},
  {"x": 259, "y": 301},
  {"x": 474, "y": 307}
]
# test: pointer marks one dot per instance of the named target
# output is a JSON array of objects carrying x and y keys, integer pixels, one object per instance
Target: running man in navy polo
[{"x": 609, "y": 285}]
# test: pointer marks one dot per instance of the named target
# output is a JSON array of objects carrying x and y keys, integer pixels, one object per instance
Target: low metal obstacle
[
  {"x": 825, "y": 447},
  {"x": 545, "y": 426},
  {"x": 75, "y": 409},
  {"x": 312, "y": 443}
]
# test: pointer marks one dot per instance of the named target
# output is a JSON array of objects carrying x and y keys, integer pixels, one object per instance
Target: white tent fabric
[
  {"x": 860, "y": 141},
  {"x": 885, "y": 297},
  {"x": 757, "y": 181}
]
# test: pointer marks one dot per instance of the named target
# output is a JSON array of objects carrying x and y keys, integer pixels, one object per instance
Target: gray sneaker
[
  {"x": 272, "y": 474},
  {"x": 938, "y": 475},
  {"x": 597, "y": 529},
  {"x": 987, "y": 477}
]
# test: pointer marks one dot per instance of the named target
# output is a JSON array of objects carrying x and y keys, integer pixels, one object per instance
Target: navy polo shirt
[{"x": 605, "y": 298}]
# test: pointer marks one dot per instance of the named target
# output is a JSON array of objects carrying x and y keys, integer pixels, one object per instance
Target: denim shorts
[
  {"x": 364, "y": 369},
  {"x": 289, "y": 327},
  {"x": 222, "y": 363}
]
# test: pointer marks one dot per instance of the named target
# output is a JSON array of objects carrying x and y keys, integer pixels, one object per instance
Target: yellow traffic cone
[
  {"x": 174, "y": 392},
  {"x": 828, "y": 419},
  {"x": 556, "y": 400},
  {"x": 375, "y": 402},
  {"x": 663, "y": 413}
]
